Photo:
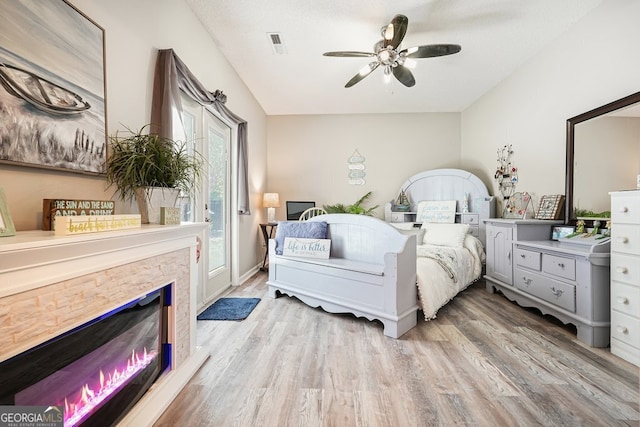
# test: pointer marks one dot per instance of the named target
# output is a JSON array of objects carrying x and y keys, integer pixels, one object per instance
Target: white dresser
[{"x": 625, "y": 275}]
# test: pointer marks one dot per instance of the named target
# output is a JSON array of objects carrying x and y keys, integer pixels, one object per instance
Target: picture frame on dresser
[
  {"x": 550, "y": 207},
  {"x": 6, "y": 223}
]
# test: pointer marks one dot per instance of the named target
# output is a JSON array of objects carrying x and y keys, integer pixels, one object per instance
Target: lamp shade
[{"x": 271, "y": 200}]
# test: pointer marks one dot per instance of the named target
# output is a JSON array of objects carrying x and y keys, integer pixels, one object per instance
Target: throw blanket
[
  {"x": 445, "y": 271},
  {"x": 446, "y": 259}
]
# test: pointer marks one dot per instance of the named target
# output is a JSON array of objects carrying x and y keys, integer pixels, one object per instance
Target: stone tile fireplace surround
[{"x": 52, "y": 284}]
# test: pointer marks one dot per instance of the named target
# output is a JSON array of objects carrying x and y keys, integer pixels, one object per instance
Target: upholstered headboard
[{"x": 449, "y": 184}]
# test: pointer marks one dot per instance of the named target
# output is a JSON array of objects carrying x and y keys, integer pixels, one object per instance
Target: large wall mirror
[{"x": 603, "y": 155}]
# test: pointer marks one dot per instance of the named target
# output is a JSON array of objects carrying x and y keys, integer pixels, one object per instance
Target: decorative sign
[
  {"x": 169, "y": 216},
  {"x": 356, "y": 169},
  {"x": 61, "y": 207},
  {"x": 309, "y": 248},
  {"x": 83, "y": 224},
  {"x": 437, "y": 211},
  {"x": 550, "y": 207}
]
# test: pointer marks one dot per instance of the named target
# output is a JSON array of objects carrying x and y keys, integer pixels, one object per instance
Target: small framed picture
[
  {"x": 561, "y": 231},
  {"x": 6, "y": 223}
]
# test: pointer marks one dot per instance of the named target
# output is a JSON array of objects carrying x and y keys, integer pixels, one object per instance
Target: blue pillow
[{"x": 305, "y": 229}]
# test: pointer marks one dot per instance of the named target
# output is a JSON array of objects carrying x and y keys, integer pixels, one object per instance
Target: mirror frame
[{"x": 571, "y": 123}]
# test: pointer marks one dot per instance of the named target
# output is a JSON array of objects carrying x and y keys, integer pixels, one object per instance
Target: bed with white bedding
[{"x": 448, "y": 209}]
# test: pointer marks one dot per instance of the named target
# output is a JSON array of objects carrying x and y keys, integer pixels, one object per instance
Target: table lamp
[{"x": 271, "y": 201}]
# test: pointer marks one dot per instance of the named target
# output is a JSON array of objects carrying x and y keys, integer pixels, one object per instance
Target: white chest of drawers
[{"x": 625, "y": 275}]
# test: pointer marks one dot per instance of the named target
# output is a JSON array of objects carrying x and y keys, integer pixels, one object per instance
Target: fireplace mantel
[{"x": 52, "y": 284}]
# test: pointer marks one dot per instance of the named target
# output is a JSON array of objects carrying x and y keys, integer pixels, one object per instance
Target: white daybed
[{"x": 371, "y": 272}]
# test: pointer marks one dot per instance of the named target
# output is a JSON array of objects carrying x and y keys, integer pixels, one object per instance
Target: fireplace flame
[{"x": 91, "y": 396}]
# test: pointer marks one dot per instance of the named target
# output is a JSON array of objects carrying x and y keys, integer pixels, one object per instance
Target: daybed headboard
[{"x": 448, "y": 184}]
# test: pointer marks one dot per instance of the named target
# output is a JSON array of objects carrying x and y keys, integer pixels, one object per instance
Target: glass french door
[{"x": 212, "y": 138}]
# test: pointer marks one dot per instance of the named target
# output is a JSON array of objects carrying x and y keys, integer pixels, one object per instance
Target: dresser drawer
[
  {"x": 471, "y": 219},
  {"x": 559, "y": 266},
  {"x": 625, "y": 210},
  {"x": 561, "y": 294},
  {"x": 625, "y": 238},
  {"x": 528, "y": 259},
  {"x": 625, "y": 328},
  {"x": 625, "y": 299},
  {"x": 625, "y": 268}
]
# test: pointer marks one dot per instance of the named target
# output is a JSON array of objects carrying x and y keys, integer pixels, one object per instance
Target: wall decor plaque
[{"x": 64, "y": 207}]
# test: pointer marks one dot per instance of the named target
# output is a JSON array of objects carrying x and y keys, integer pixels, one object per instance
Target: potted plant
[
  {"x": 356, "y": 208},
  {"x": 141, "y": 165}
]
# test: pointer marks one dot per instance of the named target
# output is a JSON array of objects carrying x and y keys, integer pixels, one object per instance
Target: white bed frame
[{"x": 449, "y": 184}]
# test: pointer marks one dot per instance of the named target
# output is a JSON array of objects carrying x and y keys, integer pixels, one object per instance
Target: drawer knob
[
  {"x": 622, "y": 270},
  {"x": 622, "y": 329},
  {"x": 624, "y": 209},
  {"x": 623, "y": 239},
  {"x": 561, "y": 264},
  {"x": 623, "y": 300},
  {"x": 556, "y": 292},
  {"x": 526, "y": 280},
  {"x": 523, "y": 256}
]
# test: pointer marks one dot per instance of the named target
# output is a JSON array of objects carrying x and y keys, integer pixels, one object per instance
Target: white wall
[
  {"x": 134, "y": 31},
  {"x": 593, "y": 64},
  {"x": 308, "y": 155}
]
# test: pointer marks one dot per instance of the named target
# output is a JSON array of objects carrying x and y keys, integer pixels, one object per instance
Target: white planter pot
[{"x": 151, "y": 199}]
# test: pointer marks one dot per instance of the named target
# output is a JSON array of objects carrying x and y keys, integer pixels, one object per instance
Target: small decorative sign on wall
[{"x": 308, "y": 248}]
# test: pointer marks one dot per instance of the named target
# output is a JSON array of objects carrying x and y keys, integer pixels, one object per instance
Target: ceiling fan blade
[
  {"x": 431, "y": 50},
  {"x": 364, "y": 72},
  {"x": 400, "y": 24},
  {"x": 349, "y": 54},
  {"x": 404, "y": 76}
]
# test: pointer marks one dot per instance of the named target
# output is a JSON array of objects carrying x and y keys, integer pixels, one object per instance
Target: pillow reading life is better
[{"x": 303, "y": 229}]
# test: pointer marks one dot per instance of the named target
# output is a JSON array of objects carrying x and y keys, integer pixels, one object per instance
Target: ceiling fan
[{"x": 388, "y": 54}]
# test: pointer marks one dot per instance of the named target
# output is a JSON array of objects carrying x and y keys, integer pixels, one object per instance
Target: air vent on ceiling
[{"x": 277, "y": 45}]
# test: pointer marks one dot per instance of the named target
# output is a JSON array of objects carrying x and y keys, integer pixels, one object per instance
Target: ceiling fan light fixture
[
  {"x": 394, "y": 60},
  {"x": 387, "y": 74}
]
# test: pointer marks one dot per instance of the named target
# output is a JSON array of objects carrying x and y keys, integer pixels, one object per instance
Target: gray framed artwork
[{"x": 52, "y": 94}]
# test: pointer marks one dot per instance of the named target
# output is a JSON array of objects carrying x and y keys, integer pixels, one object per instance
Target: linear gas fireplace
[
  {"x": 98, "y": 371},
  {"x": 49, "y": 285}
]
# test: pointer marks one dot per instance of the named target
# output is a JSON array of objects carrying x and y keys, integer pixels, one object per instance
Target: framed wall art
[
  {"x": 6, "y": 223},
  {"x": 52, "y": 87}
]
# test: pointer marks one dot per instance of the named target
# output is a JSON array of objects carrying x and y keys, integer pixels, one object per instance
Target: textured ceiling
[{"x": 497, "y": 36}]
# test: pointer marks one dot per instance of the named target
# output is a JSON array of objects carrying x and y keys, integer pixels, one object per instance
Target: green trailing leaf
[
  {"x": 356, "y": 208},
  {"x": 583, "y": 213}
]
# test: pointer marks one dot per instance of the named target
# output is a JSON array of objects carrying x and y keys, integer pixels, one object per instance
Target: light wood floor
[{"x": 483, "y": 362}]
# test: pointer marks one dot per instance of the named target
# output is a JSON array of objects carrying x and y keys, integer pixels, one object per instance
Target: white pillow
[
  {"x": 408, "y": 229},
  {"x": 451, "y": 235}
]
